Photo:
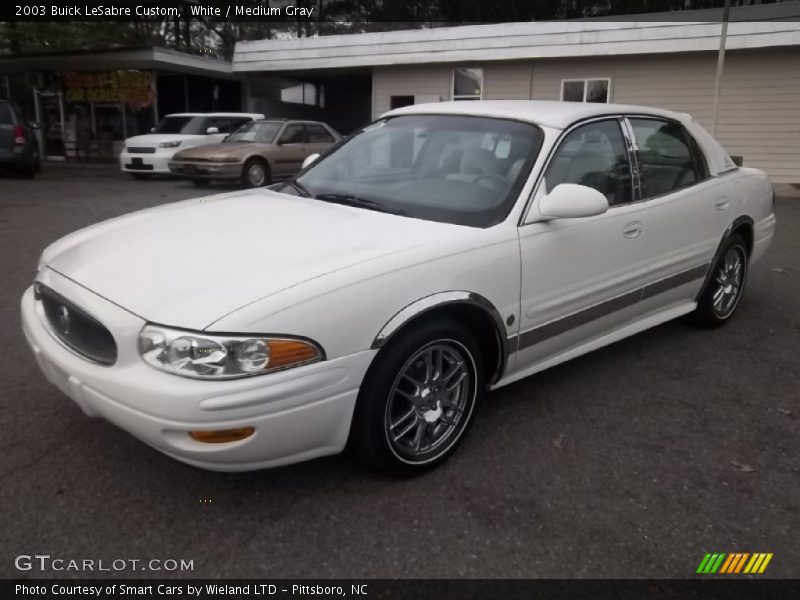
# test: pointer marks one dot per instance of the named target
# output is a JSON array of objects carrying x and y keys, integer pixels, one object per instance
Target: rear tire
[
  {"x": 255, "y": 173},
  {"x": 723, "y": 292},
  {"x": 29, "y": 171},
  {"x": 418, "y": 399}
]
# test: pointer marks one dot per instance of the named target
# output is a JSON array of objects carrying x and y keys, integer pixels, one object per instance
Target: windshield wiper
[{"x": 350, "y": 200}]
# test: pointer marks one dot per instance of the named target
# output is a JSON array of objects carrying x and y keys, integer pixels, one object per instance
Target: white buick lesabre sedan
[{"x": 372, "y": 300}]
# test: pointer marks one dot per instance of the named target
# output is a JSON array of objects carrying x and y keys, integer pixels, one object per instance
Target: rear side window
[
  {"x": 317, "y": 134},
  {"x": 6, "y": 116},
  {"x": 593, "y": 155},
  {"x": 665, "y": 157}
]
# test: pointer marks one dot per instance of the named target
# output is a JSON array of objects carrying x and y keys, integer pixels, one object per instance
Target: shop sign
[{"x": 133, "y": 88}]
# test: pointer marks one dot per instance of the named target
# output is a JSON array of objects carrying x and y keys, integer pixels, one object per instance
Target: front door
[
  {"x": 582, "y": 277},
  {"x": 292, "y": 150}
]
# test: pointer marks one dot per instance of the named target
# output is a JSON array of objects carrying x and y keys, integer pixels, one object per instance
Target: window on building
[
  {"x": 666, "y": 161},
  {"x": 301, "y": 92},
  {"x": 467, "y": 84},
  {"x": 593, "y": 155},
  {"x": 586, "y": 90}
]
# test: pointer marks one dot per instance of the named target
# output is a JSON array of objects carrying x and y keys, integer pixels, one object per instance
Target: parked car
[
  {"x": 19, "y": 149},
  {"x": 256, "y": 154},
  {"x": 442, "y": 251},
  {"x": 149, "y": 154}
]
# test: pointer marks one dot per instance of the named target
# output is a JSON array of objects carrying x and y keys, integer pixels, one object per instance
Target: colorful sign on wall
[{"x": 131, "y": 87}]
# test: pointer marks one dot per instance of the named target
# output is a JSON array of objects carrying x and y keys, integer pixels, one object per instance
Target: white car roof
[
  {"x": 560, "y": 115},
  {"x": 217, "y": 114}
]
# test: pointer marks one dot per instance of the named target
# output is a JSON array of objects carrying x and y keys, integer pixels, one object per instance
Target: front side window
[
  {"x": 467, "y": 84},
  {"x": 593, "y": 155},
  {"x": 293, "y": 134},
  {"x": 454, "y": 169},
  {"x": 666, "y": 161},
  {"x": 586, "y": 90}
]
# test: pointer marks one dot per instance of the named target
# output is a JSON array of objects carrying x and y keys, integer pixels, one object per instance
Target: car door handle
[
  {"x": 633, "y": 229},
  {"x": 722, "y": 204}
]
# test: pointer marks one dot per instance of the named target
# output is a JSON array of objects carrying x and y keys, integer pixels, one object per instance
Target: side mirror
[
  {"x": 310, "y": 159},
  {"x": 212, "y": 130},
  {"x": 33, "y": 125},
  {"x": 152, "y": 130},
  {"x": 572, "y": 201}
]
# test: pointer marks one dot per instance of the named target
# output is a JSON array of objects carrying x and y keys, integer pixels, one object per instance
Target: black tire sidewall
[{"x": 368, "y": 439}]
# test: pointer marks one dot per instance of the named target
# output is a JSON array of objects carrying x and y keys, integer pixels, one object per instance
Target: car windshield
[
  {"x": 262, "y": 132},
  {"x": 184, "y": 125},
  {"x": 456, "y": 169}
]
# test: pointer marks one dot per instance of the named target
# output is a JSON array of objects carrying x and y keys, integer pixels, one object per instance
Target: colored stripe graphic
[{"x": 733, "y": 563}]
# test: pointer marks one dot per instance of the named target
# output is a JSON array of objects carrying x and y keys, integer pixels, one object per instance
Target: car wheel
[
  {"x": 201, "y": 182},
  {"x": 140, "y": 175},
  {"x": 255, "y": 173},
  {"x": 723, "y": 292},
  {"x": 418, "y": 398}
]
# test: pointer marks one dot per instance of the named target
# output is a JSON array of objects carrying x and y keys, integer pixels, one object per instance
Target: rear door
[
  {"x": 687, "y": 210},
  {"x": 7, "y": 122}
]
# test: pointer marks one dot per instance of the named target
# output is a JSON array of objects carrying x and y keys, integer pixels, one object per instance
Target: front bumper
[
  {"x": 206, "y": 170},
  {"x": 297, "y": 414},
  {"x": 146, "y": 163}
]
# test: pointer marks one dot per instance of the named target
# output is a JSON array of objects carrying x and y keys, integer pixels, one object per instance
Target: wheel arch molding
[{"x": 487, "y": 324}]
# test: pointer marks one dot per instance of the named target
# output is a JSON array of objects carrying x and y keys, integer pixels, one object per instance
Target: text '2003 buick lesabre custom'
[{"x": 371, "y": 301}]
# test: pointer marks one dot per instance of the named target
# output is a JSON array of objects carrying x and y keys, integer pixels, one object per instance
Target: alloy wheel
[
  {"x": 430, "y": 401},
  {"x": 728, "y": 281}
]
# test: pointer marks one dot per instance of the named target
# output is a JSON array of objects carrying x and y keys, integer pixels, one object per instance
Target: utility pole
[{"x": 720, "y": 65}]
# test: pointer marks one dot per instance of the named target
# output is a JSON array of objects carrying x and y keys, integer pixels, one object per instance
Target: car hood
[
  {"x": 190, "y": 263},
  {"x": 230, "y": 149},
  {"x": 152, "y": 139}
]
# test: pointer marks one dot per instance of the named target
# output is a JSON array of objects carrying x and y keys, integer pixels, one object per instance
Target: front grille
[
  {"x": 139, "y": 150},
  {"x": 76, "y": 328}
]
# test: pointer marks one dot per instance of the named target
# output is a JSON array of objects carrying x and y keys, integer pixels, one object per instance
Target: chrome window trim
[{"x": 559, "y": 140}]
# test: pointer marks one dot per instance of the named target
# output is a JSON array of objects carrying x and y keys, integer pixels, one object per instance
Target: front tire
[
  {"x": 418, "y": 398},
  {"x": 723, "y": 292},
  {"x": 255, "y": 173}
]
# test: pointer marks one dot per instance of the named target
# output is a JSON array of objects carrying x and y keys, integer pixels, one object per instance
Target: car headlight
[
  {"x": 223, "y": 356},
  {"x": 169, "y": 144}
]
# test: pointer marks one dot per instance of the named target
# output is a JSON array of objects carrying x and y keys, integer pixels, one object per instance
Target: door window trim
[
  {"x": 687, "y": 137},
  {"x": 559, "y": 141}
]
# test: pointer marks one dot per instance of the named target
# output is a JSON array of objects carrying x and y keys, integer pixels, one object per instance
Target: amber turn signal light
[
  {"x": 222, "y": 436},
  {"x": 283, "y": 353}
]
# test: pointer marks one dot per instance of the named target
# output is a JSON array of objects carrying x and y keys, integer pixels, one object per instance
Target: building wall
[{"x": 759, "y": 113}]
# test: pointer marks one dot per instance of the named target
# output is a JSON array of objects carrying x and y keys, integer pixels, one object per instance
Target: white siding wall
[{"x": 759, "y": 116}]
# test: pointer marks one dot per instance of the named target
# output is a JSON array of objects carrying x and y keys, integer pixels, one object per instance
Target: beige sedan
[{"x": 256, "y": 154}]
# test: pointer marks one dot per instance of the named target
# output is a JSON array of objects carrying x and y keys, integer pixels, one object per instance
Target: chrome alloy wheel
[
  {"x": 430, "y": 401},
  {"x": 729, "y": 281}
]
